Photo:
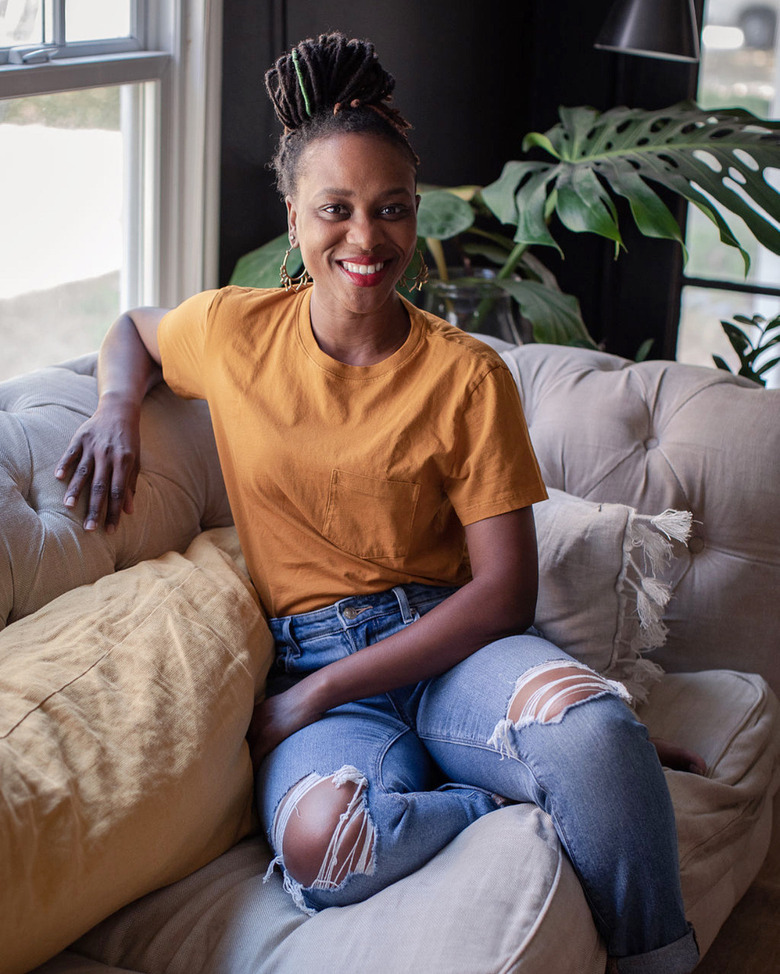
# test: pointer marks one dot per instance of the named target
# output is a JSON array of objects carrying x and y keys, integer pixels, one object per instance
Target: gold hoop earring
[
  {"x": 293, "y": 283},
  {"x": 416, "y": 284}
]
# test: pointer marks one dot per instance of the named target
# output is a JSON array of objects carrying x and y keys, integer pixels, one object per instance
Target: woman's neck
[{"x": 359, "y": 339}]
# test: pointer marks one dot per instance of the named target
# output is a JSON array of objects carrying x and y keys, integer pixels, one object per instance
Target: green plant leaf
[
  {"x": 650, "y": 213},
  {"x": 739, "y": 340},
  {"x": 720, "y": 363},
  {"x": 767, "y": 366},
  {"x": 716, "y": 159},
  {"x": 443, "y": 215},
  {"x": 496, "y": 255},
  {"x": 584, "y": 207},
  {"x": 644, "y": 350},
  {"x": 260, "y": 268},
  {"x": 528, "y": 214},
  {"x": 555, "y": 316}
]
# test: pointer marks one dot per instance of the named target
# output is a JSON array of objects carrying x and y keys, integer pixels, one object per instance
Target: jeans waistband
[{"x": 408, "y": 600}]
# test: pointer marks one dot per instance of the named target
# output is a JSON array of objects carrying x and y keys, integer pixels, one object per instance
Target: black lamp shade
[{"x": 654, "y": 28}]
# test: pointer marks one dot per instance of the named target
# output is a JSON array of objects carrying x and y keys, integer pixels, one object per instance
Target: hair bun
[{"x": 329, "y": 74}]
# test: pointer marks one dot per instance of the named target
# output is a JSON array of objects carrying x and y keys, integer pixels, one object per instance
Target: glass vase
[{"x": 471, "y": 300}]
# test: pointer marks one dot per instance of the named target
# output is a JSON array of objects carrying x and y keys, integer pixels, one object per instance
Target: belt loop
[
  {"x": 407, "y": 613},
  {"x": 293, "y": 649}
]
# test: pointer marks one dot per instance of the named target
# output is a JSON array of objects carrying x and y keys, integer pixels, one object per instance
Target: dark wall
[
  {"x": 459, "y": 78},
  {"x": 473, "y": 78}
]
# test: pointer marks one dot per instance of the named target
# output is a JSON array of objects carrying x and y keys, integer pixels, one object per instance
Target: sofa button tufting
[
  {"x": 696, "y": 545},
  {"x": 651, "y": 443}
]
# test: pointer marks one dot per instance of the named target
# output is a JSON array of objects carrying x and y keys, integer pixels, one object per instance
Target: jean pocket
[{"x": 370, "y": 517}]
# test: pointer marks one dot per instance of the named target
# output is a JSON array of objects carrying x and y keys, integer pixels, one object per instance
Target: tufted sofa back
[
  {"x": 652, "y": 435},
  {"x": 660, "y": 435},
  {"x": 44, "y": 551}
]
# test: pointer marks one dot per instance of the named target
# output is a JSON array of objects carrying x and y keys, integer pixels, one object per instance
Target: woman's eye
[
  {"x": 334, "y": 209},
  {"x": 393, "y": 209}
]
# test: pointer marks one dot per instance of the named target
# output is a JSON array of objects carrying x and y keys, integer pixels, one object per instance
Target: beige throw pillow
[
  {"x": 605, "y": 577},
  {"x": 123, "y": 764}
]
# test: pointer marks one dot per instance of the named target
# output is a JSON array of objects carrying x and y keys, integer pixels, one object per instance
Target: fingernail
[
  {"x": 70, "y": 502},
  {"x": 59, "y": 472},
  {"x": 110, "y": 528},
  {"x": 89, "y": 525}
]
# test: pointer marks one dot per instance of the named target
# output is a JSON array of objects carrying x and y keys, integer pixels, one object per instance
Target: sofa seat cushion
[
  {"x": 724, "y": 819},
  {"x": 498, "y": 897},
  {"x": 123, "y": 710},
  {"x": 495, "y": 899}
]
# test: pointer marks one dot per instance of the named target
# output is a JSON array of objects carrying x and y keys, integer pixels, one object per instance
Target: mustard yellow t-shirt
[{"x": 345, "y": 479}]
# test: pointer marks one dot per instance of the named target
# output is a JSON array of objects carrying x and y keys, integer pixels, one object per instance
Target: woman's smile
[{"x": 365, "y": 271}]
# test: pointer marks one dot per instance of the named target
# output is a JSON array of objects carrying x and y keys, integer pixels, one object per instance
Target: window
[
  {"x": 108, "y": 182},
  {"x": 740, "y": 67}
]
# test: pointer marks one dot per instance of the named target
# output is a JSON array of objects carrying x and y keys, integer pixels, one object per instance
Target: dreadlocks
[{"x": 326, "y": 86}]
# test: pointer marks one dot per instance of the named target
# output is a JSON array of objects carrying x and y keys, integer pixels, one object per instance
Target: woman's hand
[
  {"x": 276, "y": 718},
  {"x": 103, "y": 458},
  {"x": 678, "y": 758}
]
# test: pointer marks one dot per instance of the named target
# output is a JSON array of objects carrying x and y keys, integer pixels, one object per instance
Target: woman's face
[{"x": 354, "y": 215}]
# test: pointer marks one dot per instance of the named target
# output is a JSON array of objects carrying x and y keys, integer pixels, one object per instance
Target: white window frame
[{"x": 173, "y": 156}]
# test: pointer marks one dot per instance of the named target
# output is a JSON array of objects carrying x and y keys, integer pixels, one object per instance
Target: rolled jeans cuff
[{"x": 679, "y": 957}]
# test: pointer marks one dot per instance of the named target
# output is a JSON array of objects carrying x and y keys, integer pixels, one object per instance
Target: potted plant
[{"x": 716, "y": 159}]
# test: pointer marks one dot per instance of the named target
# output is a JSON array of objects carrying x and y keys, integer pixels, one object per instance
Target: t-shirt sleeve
[
  {"x": 495, "y": 469},
  {"x": 182, "y": 336}
]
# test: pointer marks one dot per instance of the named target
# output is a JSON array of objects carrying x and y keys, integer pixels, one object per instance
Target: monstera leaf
[
  {"x": 702, "y": 155},
  {"x": 260, "y": 268}
]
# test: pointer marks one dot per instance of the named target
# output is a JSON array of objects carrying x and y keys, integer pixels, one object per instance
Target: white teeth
[{"x": 363, "y": 268}]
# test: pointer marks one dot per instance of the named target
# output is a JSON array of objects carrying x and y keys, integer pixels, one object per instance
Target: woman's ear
[{"x": 292, "y": 219}]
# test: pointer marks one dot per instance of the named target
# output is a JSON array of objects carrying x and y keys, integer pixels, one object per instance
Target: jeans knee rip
[
  {"x": 359, "y": 858},
  {"x": 538, "y": 710}
]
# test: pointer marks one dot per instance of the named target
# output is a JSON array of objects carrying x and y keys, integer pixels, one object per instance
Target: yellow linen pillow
[{"x": 123, "y": 764}]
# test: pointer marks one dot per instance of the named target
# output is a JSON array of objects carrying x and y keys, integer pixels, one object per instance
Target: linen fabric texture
[
  {"x": 372, "y": 471},
  {"x": 123, "y": 710}
]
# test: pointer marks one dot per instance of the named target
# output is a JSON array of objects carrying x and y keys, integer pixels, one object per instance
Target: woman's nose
[{"x": 365, "y": 231}]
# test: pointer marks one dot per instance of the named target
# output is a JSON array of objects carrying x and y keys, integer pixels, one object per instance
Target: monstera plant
[{"x": 716, "y": 159}]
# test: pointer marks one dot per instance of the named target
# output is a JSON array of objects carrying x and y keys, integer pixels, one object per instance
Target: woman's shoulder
[
  {"x": 236, "y": 298},
  {"x": 447, "y": 342}
]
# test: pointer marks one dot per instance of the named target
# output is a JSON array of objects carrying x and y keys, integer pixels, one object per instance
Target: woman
[{"x": 381, "y": 479}]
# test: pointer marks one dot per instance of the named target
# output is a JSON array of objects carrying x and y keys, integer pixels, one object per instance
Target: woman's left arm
[{"x": 500, "y": 600}]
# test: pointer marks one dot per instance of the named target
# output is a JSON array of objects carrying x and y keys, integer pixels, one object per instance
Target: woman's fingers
[
  {"x": 102, "y": 461},
  {"x": 68, "y": 459},
  {"x": 679, "y": 758}
]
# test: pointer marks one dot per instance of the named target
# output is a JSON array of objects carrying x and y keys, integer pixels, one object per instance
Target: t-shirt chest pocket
[{"x": 370, "y": 517}]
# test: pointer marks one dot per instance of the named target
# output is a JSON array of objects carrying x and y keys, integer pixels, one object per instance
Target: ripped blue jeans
[{"x": 425, "y": 761}]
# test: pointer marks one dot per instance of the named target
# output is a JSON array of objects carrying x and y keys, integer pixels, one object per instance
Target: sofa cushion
[
  {"x": 495, "y": 899},
  {"x": 606, "y": 574},
  {"x": 724, "y": 818},
  {"x": 123, "y": 709}
]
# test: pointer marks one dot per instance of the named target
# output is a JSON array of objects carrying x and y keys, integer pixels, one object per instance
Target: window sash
[
  {"x": 57, "y": 47},
  {"x": 178, "y": 123}
]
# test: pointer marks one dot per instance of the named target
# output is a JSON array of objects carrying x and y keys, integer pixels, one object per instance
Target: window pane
[
  {"x": 61, "y": 196},
  {"x": 21, "y": 22},
  {"x": 92, "y": 20},
  {"x": 701, "y": 335},
  {"x": 739, "y": 68}
]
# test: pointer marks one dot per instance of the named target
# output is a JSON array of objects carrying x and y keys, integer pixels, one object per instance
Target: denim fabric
[{"x": 433, "y": 765}]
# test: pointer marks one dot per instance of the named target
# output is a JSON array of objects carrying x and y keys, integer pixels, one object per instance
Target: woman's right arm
[{"x": 103, "y": 455}]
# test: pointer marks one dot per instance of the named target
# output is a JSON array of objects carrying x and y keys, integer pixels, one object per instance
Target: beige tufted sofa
[{"x": 501, "y": 897}]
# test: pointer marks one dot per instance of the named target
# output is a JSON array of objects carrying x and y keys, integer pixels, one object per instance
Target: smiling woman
[{"x": 381, "y": 476}]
